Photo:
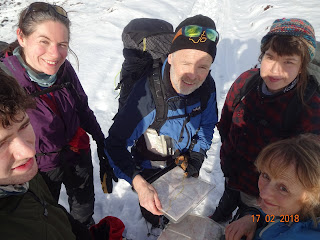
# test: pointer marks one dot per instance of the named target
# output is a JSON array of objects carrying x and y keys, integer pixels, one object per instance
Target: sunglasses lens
[
  {"x": 192, "y": 31},
  {"x": 197, "y": 31},
  {"x": 44, "y": 7},
  {"x": 212, "y": 34},
  {"x": 38, "y": 6},
  {"x": 60, "y": 10}
]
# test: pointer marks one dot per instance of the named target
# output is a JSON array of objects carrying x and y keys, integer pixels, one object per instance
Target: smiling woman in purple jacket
[{"x": 62, "y": 117}]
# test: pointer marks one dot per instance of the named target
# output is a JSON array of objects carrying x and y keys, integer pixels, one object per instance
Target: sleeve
[
  {"x": 130, "y": 123},
  {"x": 303, "y": 230},
  {"x": 224, "y": 124},
  {"x": 87, "y": 118},
  {"x": 283, "y": 230},
  {"x": 208, "y": 121},
  {"x": 259, "y": 215},
  {"x": 310, "y": 117},
  {"x": 209, "y": 118}
]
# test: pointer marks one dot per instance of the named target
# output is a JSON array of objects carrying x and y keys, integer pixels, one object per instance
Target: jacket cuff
[
  {"x": 253, "y": 211},
  {"x": 136, "y": 172}
]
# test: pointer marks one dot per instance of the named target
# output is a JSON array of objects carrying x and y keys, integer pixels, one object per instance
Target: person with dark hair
[
  {"x": 27, "y": 208},
  {"x": 276, "y": 101},
  {"x": 289, "y": 185},
  {"x": 21, "y": 188},
  {"x": 13, "y": 100},
  {"x": 188, "y": 129},
  {"x": 62, "y": 116}
]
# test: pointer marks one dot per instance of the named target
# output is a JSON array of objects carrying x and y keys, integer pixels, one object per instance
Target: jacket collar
[
  {"x": 21, "y": 75},
  {"x": 15, "y": 189}
]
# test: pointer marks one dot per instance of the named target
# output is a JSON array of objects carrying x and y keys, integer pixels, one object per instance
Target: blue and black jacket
[
  {"x": 281, "y": 230},
  {"x": 139, "y": 112}
]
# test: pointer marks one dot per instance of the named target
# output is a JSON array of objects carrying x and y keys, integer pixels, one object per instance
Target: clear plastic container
[
  {"x": 193, "y": 227},
  {"x": 180, "y": 195}
]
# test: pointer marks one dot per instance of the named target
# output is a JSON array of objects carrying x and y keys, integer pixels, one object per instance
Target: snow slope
[{"x": 96, "y": 38}]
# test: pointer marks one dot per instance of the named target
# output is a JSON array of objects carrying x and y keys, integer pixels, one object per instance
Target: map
[{"x": 180, "y": 195}]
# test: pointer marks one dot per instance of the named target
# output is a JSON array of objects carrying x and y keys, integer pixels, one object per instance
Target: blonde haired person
[{"x": 289, "y": 185}]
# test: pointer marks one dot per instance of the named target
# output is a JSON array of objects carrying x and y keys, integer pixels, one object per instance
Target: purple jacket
[{"x": 52, "y": 131}]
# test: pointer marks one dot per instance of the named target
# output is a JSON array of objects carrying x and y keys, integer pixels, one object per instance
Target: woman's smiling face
[
  {"x": 46, "y": 49},
  {"x": 281, "y": 195}
]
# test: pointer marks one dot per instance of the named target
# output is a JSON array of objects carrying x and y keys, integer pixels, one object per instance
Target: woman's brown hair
[
  {"x": 286, "y": 45},
  {"x": 29, "y": 20}
]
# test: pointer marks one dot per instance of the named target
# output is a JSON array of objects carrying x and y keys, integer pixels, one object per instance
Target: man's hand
[
  {"x": 190, "y": 164},
  {"x": 245, "y": 226},
  {"x": 148, "y": 196},
  {"x": 106, "y": 171}
]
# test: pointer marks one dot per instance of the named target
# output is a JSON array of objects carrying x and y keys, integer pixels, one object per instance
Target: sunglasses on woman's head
[
  {"x": 45, "y": 7},
  {"x": 197, "y": 31}
]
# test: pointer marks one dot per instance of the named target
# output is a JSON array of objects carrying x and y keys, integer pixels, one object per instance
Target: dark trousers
[
  {"x": 229, "y": 201},
  {"x": 78, "y": 180}
]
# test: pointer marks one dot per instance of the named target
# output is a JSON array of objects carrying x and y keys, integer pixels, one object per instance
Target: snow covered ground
[{"x": 96, "y": 38}]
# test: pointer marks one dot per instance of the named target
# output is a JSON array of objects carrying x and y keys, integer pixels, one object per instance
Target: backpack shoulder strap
[
  {"x": 157, "y": 91},
  {"x": 64, "y": 84},
  {"x": 5, "y": 69},
  {"x": 295, "y": 106},
  {"x": 249, "y": 84},
  {"x": 312, "y": 87},
  {"x": 51, "y": 89},
  {"x": 314, "y": 65}
]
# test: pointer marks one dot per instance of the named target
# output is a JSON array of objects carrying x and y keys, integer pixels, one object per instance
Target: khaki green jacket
[{"x": 34, "y": 215}]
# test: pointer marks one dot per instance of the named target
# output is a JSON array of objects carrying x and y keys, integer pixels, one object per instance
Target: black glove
[
  {"x": 194, "y": 164},
  {"x": 190, "y": 163},
  {"x": 106, "y": 171}
]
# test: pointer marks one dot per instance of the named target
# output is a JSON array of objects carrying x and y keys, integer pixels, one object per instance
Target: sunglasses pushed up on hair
[
  {"x": 45, "y": 7},
  {"x": 198, "y": 31}
]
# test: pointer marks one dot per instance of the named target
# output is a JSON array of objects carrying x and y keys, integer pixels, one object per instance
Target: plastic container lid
[
  {"x": 193, "y": 227},
  {"x": 180, "y": 195}
]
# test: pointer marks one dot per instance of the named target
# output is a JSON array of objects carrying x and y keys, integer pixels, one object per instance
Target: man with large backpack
[{"x": 184, "y": 92}]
